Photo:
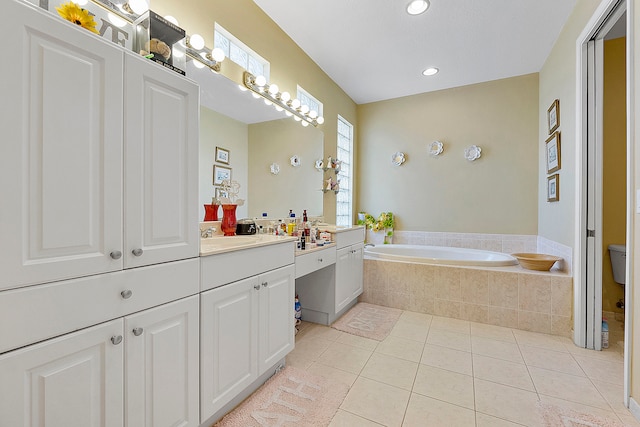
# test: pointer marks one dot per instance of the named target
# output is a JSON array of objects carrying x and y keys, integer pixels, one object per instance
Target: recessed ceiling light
[
  {"x": 416, "y": 7},
  {"x": 430, "y": 71}
]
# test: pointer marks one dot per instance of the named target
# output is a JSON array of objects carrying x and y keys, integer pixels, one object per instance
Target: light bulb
[
  {"x": 305, "y": 123},
  {"x": 242, "y": 88},
  {"x": 288, "y": 113},
  {"x": 171, "y": 19},
  {"x": 217, "y": 54},
  {"x": 255, "y": 95},
  {"x": 266, "y": 101},
  {"x": 430, "y": 71},
  {"x": 196, "y": 41},
  {"x": 296, "y": 118},
  {"x": 295, "y": 104},
  {"x": 279, "y": 108},
  {"x": 304, "y": 109},
  {"x": 204, "y": 55},
  {"x": 260, "y": 81},
  {"x": 117, "y": 21},
  {"x": 285, "y": 96},
  {"x": 138, "y": 6},
  {"x": 273, "y": 89},
  {"x": 198, "y": 64},
  {"x": 313, "y": 114},
  {"x": 320, "y": 120},
  {"x": 416, "y": 7}
]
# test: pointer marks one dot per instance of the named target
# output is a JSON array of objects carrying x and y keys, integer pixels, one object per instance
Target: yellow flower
[{"x": 79, "y": 16}]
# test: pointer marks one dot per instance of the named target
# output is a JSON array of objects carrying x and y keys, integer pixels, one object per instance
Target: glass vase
[
  {"x": 229, "y": 220},
  {"x": 388, "y": 236},
  {"x": 211, "y": 212}
]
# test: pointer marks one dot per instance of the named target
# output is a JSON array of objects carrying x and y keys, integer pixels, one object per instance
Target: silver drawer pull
[
  {"x": 115, "y": 254},
  {"x": 126, "y": 294},
  {"x": 137, "y": 331},
  {"x": 256, "y": 287},
  {"x": 137, "y": 252},
  {"x": 116, "y": 339},
  {"x": 265, "y": 284},
  {"x": 319, "y": 259}
]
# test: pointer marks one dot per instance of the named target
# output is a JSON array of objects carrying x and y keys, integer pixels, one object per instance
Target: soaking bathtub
[{"x": 441, "y": 255}]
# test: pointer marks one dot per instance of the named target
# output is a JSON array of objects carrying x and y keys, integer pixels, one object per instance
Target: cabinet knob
[
  {"x": 116, "y": 339},
  {"x": 256, "y": 287},
  {"x": 319, "y": 259},
  {"x": 264, "y": 284},
  {"x": 116, "y": 254},
  {"x": 137, "y": 252},
  {"x": 137, "y": 331},
  {"x": 126, "y": 294}
]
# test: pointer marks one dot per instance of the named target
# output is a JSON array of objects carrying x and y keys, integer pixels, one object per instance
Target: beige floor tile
[
  {"x": 502, "y": 372},
  {"x": 602, "y": 370},
  {"x": 628, "y": 419},
  {"x": 332, "y": 373},
  {"x": 414, "y": 317},
  {"x": 449, "y": 339},
  {"x": 401, "y": 347},
  {"x": 491, "y": 331},
  {"x": 444, "y": 385},
  {"x": 311, "y": 347},
  {"x": 450, "y": 324},
  {"x": 613, "y": 393},
  {"x": 497, "y": 349},
  {"x": 390, "y": 370},
  {"x": 320, "y": 331},
  {"x": 578, "y": 407},
  {"x": 536, "y": 339},
  {"x": 483, "y": 420},
  {"x": 609, "y": 354},
  {"x": 298, "y": 360},
  {"x": 552, "y": 360},
  {"x": 567, "y": 387},
  {"x": 356, "y": 341},
  {"x": 416, "y": 331},
  {"x": 424, "y": 411},
  {"x": 447, "y": 358},
  {"x": 347, "y": 419},
  {"x": 377, "y": 402},
  {"x": 508, "y": 403},
  {"x": 345, "y": 357}
]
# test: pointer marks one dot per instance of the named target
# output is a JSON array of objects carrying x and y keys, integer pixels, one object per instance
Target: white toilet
[{"x": 618, "y": 255}]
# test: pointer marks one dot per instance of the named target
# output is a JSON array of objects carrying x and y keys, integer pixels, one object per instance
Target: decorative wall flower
[{"x": 79, "y": 16}]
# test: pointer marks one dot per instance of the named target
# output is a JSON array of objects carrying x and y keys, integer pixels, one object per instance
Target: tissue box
[{"x": 164, "y": 40}]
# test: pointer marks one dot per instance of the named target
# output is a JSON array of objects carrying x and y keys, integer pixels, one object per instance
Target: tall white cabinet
[{"x": 99, "y": 232}]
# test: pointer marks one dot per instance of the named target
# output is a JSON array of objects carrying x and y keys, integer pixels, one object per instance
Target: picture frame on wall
[
  {"x": 221, "y": 173},
  {"x": 222, "y": 155},
  {"x": 553, "y": 116},
  {"x": 221, "y": 193},
  {"x": 553, "y": 188},
  {"x": 553, "y": 153}
]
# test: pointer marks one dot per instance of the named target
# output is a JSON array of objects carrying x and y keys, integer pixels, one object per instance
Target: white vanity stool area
[{"x": 329, "y": 278}]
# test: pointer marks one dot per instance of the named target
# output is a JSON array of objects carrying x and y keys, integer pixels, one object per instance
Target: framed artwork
[
  {"x": 220, "y": 173},
  {"x": 221, "y": 192},
  {"x": 553, "y": 153},
  {"x": 222, "y": 155},
  {"x": 553, "y": 116},
  {"x": 553, "y": 188}
]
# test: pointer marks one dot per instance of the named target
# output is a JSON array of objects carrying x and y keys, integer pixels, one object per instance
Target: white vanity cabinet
[
  {"x": 94, "y": 139},
  {"x": 349, "y": 272},
  {"x": 247, "y": 326},
  {"x": 82, "y": 378}
]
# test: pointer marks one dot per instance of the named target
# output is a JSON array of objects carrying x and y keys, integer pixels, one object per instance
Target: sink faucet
[{"x": 207, "y": 232}]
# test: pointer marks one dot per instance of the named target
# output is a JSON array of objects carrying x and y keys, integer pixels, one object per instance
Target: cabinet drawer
[
  {"x": 308, "y": 263},
  {"x": 39, "y": 312},
  {"x": 346, "y": 238},
  {"x": 221, "y": 269}
]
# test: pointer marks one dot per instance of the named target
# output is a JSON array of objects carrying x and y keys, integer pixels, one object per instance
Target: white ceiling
[{"x": 375, "y": 51}]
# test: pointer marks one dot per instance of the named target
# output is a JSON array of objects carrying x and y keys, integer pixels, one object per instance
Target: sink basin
[{"x": 227, "y": 242}]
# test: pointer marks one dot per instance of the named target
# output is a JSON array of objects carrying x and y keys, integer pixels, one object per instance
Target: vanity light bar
[
  {"x": 276, "y": 98},
  {"x": 204, "y": 56}
]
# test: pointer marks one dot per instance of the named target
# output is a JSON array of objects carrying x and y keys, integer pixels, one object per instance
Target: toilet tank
[{"x": 618, "y": 255}]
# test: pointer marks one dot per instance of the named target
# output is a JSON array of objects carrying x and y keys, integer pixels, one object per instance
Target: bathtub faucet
[{"x": 369, "y": 244}]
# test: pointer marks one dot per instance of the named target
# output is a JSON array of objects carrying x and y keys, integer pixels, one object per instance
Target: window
[
  {"x": 240, "y": 53},
  {"x": 344, "y": 202},
  {"x": 309, "y": 100}
]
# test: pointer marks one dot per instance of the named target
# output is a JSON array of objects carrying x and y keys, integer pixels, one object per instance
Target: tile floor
[{"x": 437, "y": 371}]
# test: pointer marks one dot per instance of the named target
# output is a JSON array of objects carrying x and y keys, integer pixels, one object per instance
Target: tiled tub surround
[
  {"x": 505, "y": 243},
  {"x": 502, "y": 296}
]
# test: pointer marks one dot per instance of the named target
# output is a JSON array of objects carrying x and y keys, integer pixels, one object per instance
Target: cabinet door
[
  {"x": 71, "y": 381},
  {"x": 357, "y": 266},
  {"x": 161, "y": 164},
  {"x": 61, "y": 151},
  {"x": 343, "y": 278},
  {"x": 228, "y": 343},
  {"x": 162, "y": 353},
  {"x": 277, "y": 329}
]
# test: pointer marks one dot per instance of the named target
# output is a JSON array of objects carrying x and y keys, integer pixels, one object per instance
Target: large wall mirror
[{"x": 256, "y": 136}]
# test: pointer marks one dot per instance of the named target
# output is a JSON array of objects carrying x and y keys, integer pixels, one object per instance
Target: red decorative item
[
  {"x": 211, "y": 212},
  {"x": 229, "y": 220}
]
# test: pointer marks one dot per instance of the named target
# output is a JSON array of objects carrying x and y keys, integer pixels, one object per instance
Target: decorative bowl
[{"x": 539, "y": 262}]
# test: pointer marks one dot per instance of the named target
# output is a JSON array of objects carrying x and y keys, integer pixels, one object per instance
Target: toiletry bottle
[
  {"x": 305, "y": 225},
  {"x": 605, "y": 333},
  {"x": 290, "y": 213},
  {"x": 303, "y": 244}
]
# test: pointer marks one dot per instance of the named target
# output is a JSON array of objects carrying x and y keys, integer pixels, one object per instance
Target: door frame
[{"x": 586, "y": 303}]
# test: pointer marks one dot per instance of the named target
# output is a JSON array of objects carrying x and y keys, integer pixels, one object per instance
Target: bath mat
[
  {"x": 557, "y": 416},
  {"x": 368, "y": 321},
  {"x": 291, "y": 398}
]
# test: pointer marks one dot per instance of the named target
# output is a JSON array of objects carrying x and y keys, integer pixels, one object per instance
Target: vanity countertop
[
  {"x": 317, "y": 248},
  {"x": 339, "y": 228},
  {"x": 221, "y": 244}
]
